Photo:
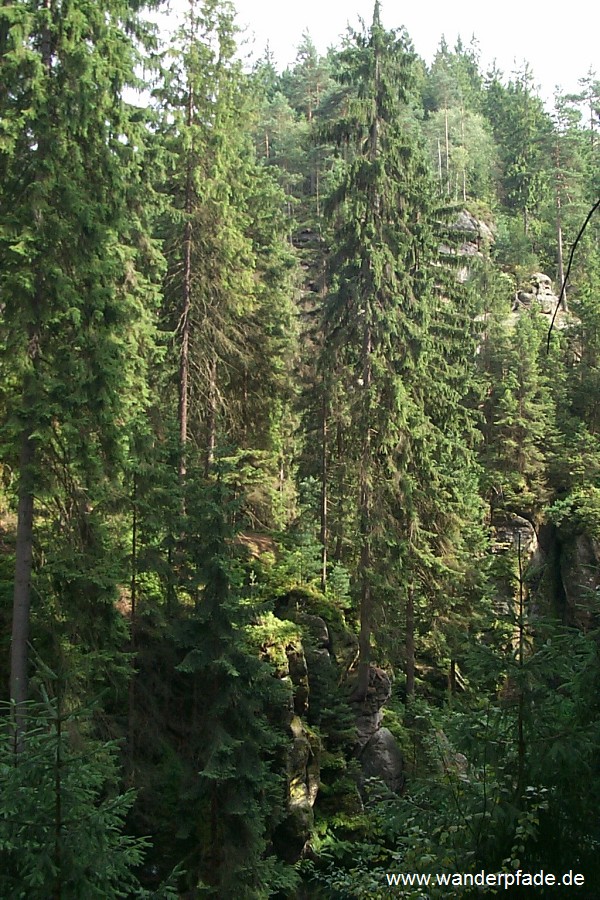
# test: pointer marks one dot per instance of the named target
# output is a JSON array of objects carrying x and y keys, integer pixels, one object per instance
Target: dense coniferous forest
[{"x": 299, "y": 464}]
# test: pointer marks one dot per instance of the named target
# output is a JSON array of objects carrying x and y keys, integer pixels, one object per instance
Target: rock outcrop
[
  {"x": 381, "y": 758},
  {"x": 517, "y": 537},
  {"x": 580, "y": 576},
  {"x": 473, "y": 238},
  {"x": 303, "y": 782},
  {"x": 376, "y": 747},
  {"x": 298, "y": 674},
  {"x": 367, "y": 712},
  {"x": 539, "y": 293},
  {"x": 517, "y": 534}
]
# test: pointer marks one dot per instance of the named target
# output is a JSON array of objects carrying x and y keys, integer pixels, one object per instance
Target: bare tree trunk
[
  {"x": 464, "y": 171},
  {"x": 318, "y": 189},
  {"x": 562, "y": 288},
  {"x": 339, "y": 525},
  {"x": 58, "y": 814},
  {"x": 452, "y": 677},
  {"x": 410, "y": 643},
  {"x": 324, "y": 492},
  {"x": 184, "y": 350},
  {"x": 521, "y": 745},
  {"x": 19, "y": 649},
  {"x": 447, "y": 151},
  {"x": 133, "y": 624},
  {"x": 365, "y": 528},
  {"x": 559, "y": 237},
  {"x": 211, "y": 441}
]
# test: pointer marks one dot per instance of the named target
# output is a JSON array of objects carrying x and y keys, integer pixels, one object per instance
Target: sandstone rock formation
[{"x": 376, "y": 747}]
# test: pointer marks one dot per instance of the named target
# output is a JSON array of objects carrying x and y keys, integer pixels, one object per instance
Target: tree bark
[
  {"x": 521, "y": 744},
  {"x": 339, "y": 525},
  {"x": 410, "y": 643},
  {"x": 562, "y": 288},
  {"x": 58, "y": 814},
  {"x": 133, "y": 624},
  {"x": 186, "y": 300},
  {"x": 324, "y": 492},
  {"x": 365, "y": 525},
  {"x": 211, "y": 441},
  {"x": 447, "y": 151},
  {"x": 366, "y": 460},
  {"x": 19, "y": 650}
]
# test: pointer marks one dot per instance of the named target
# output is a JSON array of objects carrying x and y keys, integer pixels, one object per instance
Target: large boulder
[
  {"x": 474, "y": 231},
  {"x": 381, "y": 758},
  {"x": 540, "y": 294},
  {"x": 376, "y": 748}
]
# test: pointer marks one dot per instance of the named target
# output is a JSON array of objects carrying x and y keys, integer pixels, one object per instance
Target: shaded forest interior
[{"x": 299, "y": 501}]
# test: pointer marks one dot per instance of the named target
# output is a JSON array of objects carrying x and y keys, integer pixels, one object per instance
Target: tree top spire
[{"x": 377, "y": 14}]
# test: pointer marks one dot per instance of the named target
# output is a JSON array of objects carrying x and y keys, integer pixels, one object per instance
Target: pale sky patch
[{"x": 560, "y": 44}]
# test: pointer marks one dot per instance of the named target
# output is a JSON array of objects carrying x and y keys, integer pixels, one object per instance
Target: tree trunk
[
  {"x": 324, "y": 490},
  {"x": 186, "y": 302},
  {"x": 366, "y": 460},
  {"x": 447, "y": 151},
  {"x": 132, "y": 645},
  {"x": 211, "y": 441},
  {"x": 410, "y": 643},
  {"x": 19, "y": 650},
  {"x": 521, "y": 744},
  {"x": 339, "y": 525},
  {"x": 464, "y": 171},
  {"x": 58, "y": 814},
  {"x": 365, "y": 525},
  {"x": 562, "y": 288},
  {"x": 452, "y": 677},
  {"x": 184, "y": 350}
]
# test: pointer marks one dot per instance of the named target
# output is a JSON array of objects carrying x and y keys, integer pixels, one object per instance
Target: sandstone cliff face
[
  {"x": 313, "y": 663},
  {"x": 580, "y": 578},
  {"x": 473, "y": 239},
  {"x": 302, "y": 772}
]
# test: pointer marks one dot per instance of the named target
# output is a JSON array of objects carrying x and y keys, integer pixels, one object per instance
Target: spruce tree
[
  {"x": 62, "y": 816},
  {"x": 71, "y": 257},
  {"x": 376, "y": 313},
  {"x": 229, "y": 273},
  {"x": 234, "y": 798}
]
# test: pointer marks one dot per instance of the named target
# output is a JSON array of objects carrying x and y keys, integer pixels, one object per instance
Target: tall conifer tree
[
  {"x": 375, "y": 316},
  {"x": 70, "y": 251}
]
